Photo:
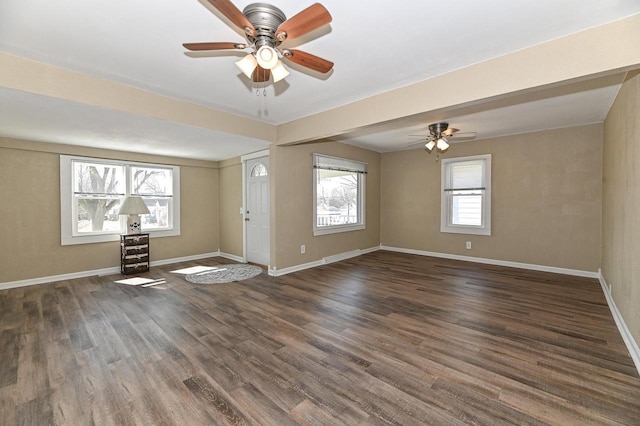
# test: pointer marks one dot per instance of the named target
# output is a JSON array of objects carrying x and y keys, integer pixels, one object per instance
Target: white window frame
[
  {"x": 345, "y": 165},
  {"x": 67, "y": 203},
  {"x": 447, "y": 199}
]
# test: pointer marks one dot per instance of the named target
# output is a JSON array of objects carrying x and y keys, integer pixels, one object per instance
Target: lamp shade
[
  {"x": 442, "y": 144},
  {"x": 133, "y": 205},
  {"x": 247, "y": 65},
  {"x": 279, "y": 72},
  {"x": 429, "y": 145},
  {"x": 267, "y": 57}
]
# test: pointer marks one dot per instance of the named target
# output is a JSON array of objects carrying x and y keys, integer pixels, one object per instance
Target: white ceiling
[{"x": 375, "y": 46}]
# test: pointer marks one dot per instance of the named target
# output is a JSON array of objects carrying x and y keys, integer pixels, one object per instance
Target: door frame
[{"x": 243, "y": 209}]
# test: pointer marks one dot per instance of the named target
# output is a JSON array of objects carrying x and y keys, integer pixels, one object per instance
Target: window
[
  {"x": 92, "y": 190},
  {"x": 155, "y": 185},
  {"x": 259, "y": 170},
  {"x": 466, "y": 195},
  {"x": 339, "y": 187}
]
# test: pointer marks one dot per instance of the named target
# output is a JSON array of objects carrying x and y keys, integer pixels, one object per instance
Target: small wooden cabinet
[{"x": 134, "y": 253}]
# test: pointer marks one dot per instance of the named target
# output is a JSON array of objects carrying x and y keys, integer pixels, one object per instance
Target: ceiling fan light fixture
[
  {"x": 279, "y": 72},
  {"x": 267, "y": 57},
  {"x": 442, "y": 144},
  {"x": 247, "y": 65},
  {"x": 430, "y": 145}
]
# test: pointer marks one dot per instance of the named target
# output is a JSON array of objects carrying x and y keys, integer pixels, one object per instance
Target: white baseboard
[
  {"x": 233, "y": 257},
  {"x": 627, "y": 337},
  {"x": 184, "y": 259},
  {"x": 324, "y": 261},
  {"x": 533, "y": 267},
  {"x": 100, "y": 272},
  {"x": 274, "y": 272},
  {"x": 347, "y": 255},
  {"x": 61, "y": 277}
]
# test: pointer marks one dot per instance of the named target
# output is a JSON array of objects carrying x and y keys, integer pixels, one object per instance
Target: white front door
[{"x": 257, "y": 210}]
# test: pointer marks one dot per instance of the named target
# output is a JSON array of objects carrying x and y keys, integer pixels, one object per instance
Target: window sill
[
  {"x": 337, "y": 229},
  {"x": 102, "y": 238},
  {"x": 465, "y": 230}
]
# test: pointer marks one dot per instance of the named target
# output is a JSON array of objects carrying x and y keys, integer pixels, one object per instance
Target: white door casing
[{"x": 257, "y": 215}]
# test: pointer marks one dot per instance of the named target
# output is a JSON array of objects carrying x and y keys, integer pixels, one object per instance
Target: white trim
[
  {"x": 274, "y": 272},
  {"x": 355, "y": 166},
  {"x": 347, "y": 255},
  {"x": 244, "y": 208},
  {"x": 54, "y": 278},
  {"x": 530, "y": 266},
  {"x": 100, "y": 272},
  {"x": 67, "y": 206},
  {"x": 233, "y": 257},
  {"x": 184, "y": 259},
  {"x": 335, "y": 229},
  {"x": 627, "y": 337},
  {"x": 445, "y": 198},
  {"x": 324, "y": 261},
  {"x": 258, "y": 154},
  {"x": 255, "y": 156}
]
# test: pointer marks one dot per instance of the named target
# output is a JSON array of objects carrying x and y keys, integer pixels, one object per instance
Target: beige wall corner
[
  {"x": 561, "y": 61},
  {"x": 621, "y": 203},
  {"x": 546, "y": 199},
  {"x": 30, "y": 210},
  {"x": 230, "y": 190},
  {"x": 293, "y": 201}
]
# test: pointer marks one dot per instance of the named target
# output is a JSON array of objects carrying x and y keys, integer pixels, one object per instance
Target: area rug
[{"x": 224, "y": 274}]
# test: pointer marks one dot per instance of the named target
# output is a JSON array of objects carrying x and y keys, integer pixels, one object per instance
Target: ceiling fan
[
  {"x": 440, "y": 134},
  {"x": 265, "y": 28}
]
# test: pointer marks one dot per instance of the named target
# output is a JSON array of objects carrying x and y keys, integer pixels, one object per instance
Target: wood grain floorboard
[{"x": 381, "y": 339}]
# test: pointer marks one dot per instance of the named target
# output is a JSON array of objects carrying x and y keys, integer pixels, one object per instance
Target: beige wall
[
  {"x": 546, "y": 201},
  {"x": 30, "y": 210},
  {"x": 621, "y": 203},
  {"x": 292, "y": 204},
  {"x": 230, "y": 190}
]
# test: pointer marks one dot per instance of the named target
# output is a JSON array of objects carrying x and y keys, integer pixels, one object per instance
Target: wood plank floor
[{"x": 382, "y": 339}]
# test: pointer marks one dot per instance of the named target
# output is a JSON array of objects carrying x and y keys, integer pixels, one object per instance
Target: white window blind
[
  {"x": 466, "y": 175},
  {"x": 341, "y": 164}
]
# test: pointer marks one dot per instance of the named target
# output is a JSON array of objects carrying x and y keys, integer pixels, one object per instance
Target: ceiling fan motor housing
[
  {"x": 266, "y": 19},
  {"x": 437, "y": 128}
]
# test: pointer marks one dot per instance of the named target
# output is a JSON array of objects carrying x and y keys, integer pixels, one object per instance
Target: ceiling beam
[
  {"x": 47, "y": 80},
  {"x": 594, "y": 53}
]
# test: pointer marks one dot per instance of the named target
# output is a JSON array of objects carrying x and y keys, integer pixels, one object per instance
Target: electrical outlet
[
  {"x": 302, "y": 249},
  {"x": 468, "y": 245}
]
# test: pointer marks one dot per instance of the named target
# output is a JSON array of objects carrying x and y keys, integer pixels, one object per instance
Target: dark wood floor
[{"x": 384, "y": 338}]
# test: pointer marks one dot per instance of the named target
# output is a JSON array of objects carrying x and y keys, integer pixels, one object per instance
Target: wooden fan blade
[
  {"x": 233, "y": 14},
  {"x": 449, "y": 131},
  {"x": 213, "y": 46},
  {"x": 260, "y": 75},
  {"x": 467, "y": 136},
  {"x": 304, "y": 22},
  {"x": 308, "y": 60}
]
